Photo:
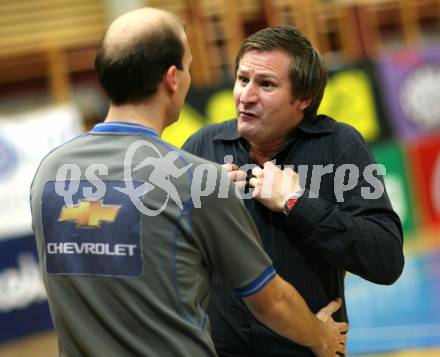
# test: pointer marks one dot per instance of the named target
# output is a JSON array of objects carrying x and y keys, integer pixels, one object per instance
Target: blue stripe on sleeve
[{"x": 258, "y": 284}]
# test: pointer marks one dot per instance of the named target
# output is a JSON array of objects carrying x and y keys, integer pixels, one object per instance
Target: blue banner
[{"x": 23, "y": 304}]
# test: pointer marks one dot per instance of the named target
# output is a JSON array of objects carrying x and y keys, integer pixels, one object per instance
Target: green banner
[{"x": 396, "y": 181}]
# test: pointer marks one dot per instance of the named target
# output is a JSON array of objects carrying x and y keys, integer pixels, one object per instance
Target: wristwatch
[{"x": 291, "y": 201}]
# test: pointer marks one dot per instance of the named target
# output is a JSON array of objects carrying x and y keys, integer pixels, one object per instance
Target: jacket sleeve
[
  {"x": 229, "y": 241},
  {"x": 358, "y": 230}
]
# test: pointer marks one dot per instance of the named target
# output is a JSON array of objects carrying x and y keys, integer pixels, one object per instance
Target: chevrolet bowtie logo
[{"x": 89, "y": 213}]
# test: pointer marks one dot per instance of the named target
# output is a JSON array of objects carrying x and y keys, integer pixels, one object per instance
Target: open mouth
[{"x": 248, "y": 114}]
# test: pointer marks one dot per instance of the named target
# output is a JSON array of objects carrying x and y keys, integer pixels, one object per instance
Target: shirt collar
[
  {"x": 229, "y": 131},
  {"x": 318, "y": 125},
  {"x": 124, "y": 128}
]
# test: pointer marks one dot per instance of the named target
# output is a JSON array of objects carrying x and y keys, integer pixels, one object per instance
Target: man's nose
[{"x": 249, "y": 93}]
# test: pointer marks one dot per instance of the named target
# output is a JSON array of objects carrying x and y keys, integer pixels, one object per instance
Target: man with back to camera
[
  {"x": 125, "y": 273},
  {"x": 314, "y": 230}
]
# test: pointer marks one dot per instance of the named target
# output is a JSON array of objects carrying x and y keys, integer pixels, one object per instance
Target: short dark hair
[
  {"x": 307, "y": 71},
  {"x": 133, "y": 71}
]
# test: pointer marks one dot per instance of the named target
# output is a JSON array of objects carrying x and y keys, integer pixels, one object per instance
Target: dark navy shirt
[{"x": 322, "y": 237}]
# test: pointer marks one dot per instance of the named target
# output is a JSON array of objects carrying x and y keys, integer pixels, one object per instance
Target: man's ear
[
  {"x": 171, "y": 79},
  {"x": 304, "y": 103}
]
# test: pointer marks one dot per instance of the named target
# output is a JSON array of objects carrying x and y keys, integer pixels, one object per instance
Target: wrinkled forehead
[
  {"x": 273, "y": 62},
  {"x": 258, "y": 52}
]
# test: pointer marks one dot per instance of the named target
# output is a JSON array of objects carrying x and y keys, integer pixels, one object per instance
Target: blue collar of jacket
[
  {"x": 319, "y": 125},
  {"x": 123, "y": 127}
]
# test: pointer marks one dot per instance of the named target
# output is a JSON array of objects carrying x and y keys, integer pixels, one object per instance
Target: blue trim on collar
[{"x": 124, "y": 128}]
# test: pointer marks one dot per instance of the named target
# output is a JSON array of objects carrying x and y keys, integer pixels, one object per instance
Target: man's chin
[{"x": 247, "y": 131}]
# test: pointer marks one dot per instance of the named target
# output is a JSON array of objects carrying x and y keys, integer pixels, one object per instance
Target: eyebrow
[{"x": 258, "y": 75}]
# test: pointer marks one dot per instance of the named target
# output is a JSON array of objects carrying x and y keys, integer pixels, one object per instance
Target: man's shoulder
[
  {"x": 346, "y": 136},
  {"x": 336, "y": 127},
  {"x": 202, "y": 141},
  {"x": 52, "y": 161},
  {"x": 60, "y": 151},
  {"x": 215, "y": 129},
  {"x": 197, "y": 160}
]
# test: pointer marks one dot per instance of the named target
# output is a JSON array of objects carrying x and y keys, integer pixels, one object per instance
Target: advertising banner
[
  {"x": 23, "y": 302},
  {"x": 424, "y": 158},
  {"x": 411, "y": 86},
  {"x": 24, "y": 140},
  {"x": 351, "y": 97},
  {"x": 396, "y": 182}
]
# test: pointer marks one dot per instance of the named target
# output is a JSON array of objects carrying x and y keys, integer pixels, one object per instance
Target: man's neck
[
  {"x": 263, "y": 152},
  {"x": 147, "y": 115}
]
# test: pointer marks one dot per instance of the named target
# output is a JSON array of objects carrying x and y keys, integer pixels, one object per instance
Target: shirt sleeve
[
  {"x": 230, "y": 243},
  {"x": 360, "y": 235}
]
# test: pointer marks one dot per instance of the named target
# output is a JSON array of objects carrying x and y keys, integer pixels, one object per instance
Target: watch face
[{"x": 291, "y": 202}]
